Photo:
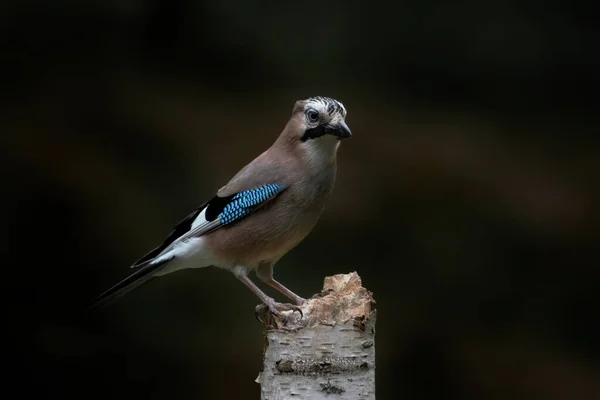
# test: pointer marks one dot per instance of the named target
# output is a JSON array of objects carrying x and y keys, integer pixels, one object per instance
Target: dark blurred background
[{"x": 467, "y": 199}]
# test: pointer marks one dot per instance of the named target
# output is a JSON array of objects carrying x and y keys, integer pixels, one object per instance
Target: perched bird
[{"x": 263, "y": 212}]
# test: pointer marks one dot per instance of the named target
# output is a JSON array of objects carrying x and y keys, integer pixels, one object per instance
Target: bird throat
[{"x": 321, "y": 152}]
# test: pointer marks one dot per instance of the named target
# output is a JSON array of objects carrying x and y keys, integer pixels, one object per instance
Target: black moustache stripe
[{"x": 317, "y": 131}]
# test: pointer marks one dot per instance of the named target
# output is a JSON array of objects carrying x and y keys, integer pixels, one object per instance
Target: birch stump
[{"x": 327, "y": 353}]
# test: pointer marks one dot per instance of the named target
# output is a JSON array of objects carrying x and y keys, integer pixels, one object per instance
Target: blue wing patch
[
  {"x": 245, "y": 202},
  {"x": 226, "y": 209}
]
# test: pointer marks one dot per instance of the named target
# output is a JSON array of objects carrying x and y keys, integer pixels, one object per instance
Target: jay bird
[{"x": 263, "y": 212}]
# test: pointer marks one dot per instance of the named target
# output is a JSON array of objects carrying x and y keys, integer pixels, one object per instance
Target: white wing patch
[
  {"x": 187, "y": 245},
  {"x": 200, "y": 219},
  {"x": 198, "y": 228}
]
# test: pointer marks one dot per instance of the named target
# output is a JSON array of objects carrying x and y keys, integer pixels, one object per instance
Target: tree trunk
[{"x": 328, "y": 353}]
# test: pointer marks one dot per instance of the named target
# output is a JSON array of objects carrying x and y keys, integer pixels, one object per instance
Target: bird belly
[{"x": 250, "y": 243}]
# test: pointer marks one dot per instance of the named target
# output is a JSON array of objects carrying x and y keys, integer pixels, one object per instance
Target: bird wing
[{"x": 215, "y": 213}]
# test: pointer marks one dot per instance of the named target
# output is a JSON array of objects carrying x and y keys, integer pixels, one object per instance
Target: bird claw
[{"x": 275, "y": 309}]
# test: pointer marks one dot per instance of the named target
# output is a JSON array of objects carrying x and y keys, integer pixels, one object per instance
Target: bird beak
[{"x": 342, "y": 131}]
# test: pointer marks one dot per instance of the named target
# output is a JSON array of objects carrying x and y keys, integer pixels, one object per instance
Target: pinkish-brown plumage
[{"x": 303, "y": 160}]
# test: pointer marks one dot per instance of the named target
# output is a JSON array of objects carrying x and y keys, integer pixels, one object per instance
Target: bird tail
[{"x": 140, "y": 277}]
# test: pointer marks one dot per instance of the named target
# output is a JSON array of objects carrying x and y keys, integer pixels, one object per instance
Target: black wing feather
[
  {"x": 133, "y": 281},
  {"x": 180, "y": 229},
  {"x": 214, "y": 207}
]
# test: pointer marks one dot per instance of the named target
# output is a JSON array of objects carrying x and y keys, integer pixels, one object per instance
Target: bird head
[
  {"x": 321, "y": 119},
  {"x": 316, "y": 128}
]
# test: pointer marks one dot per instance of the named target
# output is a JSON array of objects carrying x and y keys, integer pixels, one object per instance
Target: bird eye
[{"x": 312, "y": 115}]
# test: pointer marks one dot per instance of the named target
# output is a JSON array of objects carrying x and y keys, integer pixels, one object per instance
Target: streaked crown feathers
[{"x": 326, "y": 105}]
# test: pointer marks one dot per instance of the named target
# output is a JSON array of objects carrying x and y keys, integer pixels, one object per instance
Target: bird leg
[
  {"x": 273, "y": 306},
  {"x": 265, "y": 274}
]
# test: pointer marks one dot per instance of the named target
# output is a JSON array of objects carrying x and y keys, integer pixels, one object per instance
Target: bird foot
[{"x": 272, "y": 308}]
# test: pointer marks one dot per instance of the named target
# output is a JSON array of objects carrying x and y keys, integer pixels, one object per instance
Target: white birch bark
[{"x": 327, "y": 354}]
